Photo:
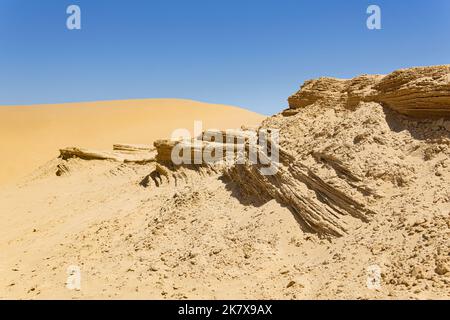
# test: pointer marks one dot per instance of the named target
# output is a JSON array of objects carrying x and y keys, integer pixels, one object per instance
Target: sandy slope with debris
[
  {"x": 363, "y": 181},
  {"x": 31, "y": 135}
]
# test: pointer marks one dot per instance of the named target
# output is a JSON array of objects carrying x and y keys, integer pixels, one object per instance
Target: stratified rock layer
[
  {"x": 121, "y": 153},
  {"x": 351, "y": 169},
  {"x": 418, "y": 92},
  {"x": 347, "y": 146}
]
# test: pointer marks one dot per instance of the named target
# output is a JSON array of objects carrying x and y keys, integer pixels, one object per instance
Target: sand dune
[{"x": 32, "y": 135}]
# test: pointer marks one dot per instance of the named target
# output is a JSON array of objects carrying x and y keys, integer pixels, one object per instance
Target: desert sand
[
  {"x": 32, "y": 135},
  {"x": 358, "y": 209}
]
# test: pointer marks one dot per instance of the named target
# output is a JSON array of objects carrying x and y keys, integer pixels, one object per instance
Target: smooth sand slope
[{"x": 32, "y": 135}]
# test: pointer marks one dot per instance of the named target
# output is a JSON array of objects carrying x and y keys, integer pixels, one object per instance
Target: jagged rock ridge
[
  {"x": 419, "y": 92},
  {"x": 345, "y": 145}
]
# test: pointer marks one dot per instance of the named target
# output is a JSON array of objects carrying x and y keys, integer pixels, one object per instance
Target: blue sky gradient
[{"x": 249, "y": 53}]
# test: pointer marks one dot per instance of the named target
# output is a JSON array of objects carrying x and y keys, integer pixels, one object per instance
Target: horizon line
[{"x": 125, "y": 99}]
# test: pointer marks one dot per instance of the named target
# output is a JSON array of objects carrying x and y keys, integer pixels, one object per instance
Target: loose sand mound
[
  {"x": 362, "y": 185},
  {"x": 32, "y": 135}
]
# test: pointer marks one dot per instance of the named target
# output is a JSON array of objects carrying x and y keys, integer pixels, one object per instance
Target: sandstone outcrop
[
  {"x": 345, "y": 147},
  {"x": 318, "y": 204},
  {"x": 361, "y": 186},
  {"x": 132, "y": 148},
  {"x": 418, "y": 92},
  {"x": 221, "y": 141},
  {"x": 126, "y": 154}
]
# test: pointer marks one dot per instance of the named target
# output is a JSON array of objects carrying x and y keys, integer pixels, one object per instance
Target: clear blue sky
[{"x": 249, "y": 53}]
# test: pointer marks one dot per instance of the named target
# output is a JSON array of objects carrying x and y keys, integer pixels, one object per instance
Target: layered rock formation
[
  {"x": 362, "y": 183},
  {"x": 319, "y": 205},
  {"x": 418, "y": 92},
  {"x": 345, "y": 146},
  {"x": 120, "y": 153}
]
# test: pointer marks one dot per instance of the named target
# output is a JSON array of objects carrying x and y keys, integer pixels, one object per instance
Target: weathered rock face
[
  {"x": 225, "y": 143},
  {"x": 132, "y": 148},
  {"x": 418, "y": 92},
  {"x": 120, "y": 153},
  {"x": 351, "y": 169},
  {"x": 318, "y": 205},
  {"x": 421, "y": 92},
  {"x": 346, "y": 148},
  {"x": 317, "y": 202}
]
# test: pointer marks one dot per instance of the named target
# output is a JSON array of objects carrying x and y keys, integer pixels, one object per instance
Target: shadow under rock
[
  {"x": 260, "y": 200},
  {"x": 420, "y": 129}
]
